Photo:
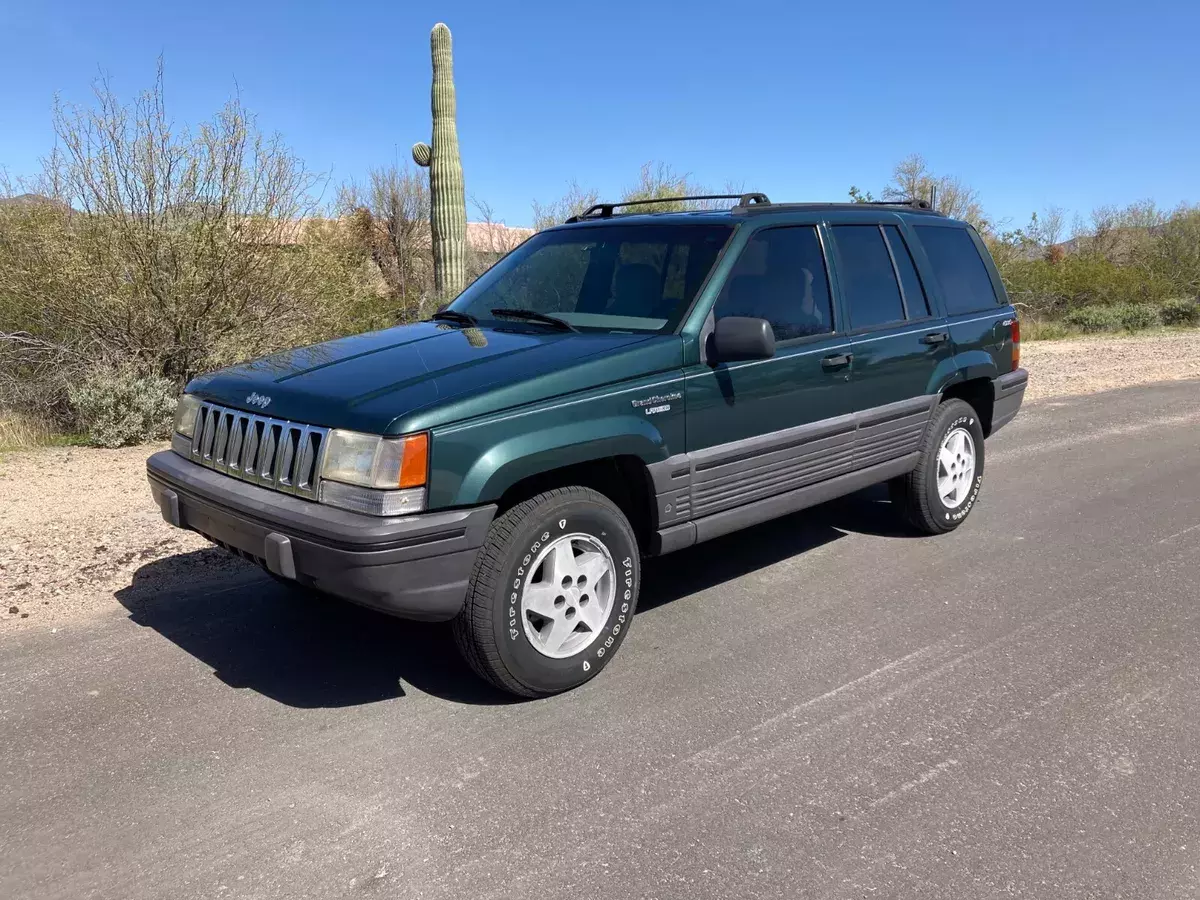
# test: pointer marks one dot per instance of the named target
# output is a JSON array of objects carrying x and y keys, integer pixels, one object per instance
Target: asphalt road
[{"x": 818, "y": 707}]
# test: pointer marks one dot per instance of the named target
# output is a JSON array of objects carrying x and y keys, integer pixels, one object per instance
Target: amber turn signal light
[{"x": 414, "y": 465}]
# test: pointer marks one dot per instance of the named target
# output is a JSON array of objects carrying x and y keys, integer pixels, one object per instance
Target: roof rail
[
  {"x": 921, "y": 206},
  {"x": 914, "y": 202},
  {"x": 605, "y": 210}
]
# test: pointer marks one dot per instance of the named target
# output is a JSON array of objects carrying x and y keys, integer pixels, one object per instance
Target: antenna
[{"x": 933, "y": 198}]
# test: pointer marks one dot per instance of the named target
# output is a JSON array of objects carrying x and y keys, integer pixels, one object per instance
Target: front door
[
  {"x": 897, "y": 343},
  {"x": 759, "y": 428}
]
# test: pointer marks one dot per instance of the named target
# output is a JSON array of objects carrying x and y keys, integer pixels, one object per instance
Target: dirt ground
[
  {"x": 1087, "y": 365},
  {"x": 76, "y": 523}
]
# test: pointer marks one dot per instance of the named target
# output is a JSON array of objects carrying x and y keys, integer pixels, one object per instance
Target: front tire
[
  {"x": 941, "y": 491},
  {"x": 552, "y": 595}
]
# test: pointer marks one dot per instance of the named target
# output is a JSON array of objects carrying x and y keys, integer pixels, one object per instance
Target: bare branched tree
[
  {"x": 388, "y": 221},
  {"x": 489, "y": 238},
  {"x": 913, "y": 180},
  {"x": 572, "y": 203},
  {"x": 161, "y": 248},
  {"x": 656, "y": 181}
]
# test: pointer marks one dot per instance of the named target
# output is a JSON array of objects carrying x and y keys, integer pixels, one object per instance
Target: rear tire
[
  {"x": 552, "y": 594},
  {"x": 939, "y": 494}
]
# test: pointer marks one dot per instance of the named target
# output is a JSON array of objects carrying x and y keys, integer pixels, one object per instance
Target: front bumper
[
  {"x": 416, "y": 567},
  {"x": 1007, "y": 393}
]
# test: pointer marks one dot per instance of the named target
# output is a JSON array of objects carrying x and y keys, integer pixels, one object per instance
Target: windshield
[{"x": 619, "y": 277}]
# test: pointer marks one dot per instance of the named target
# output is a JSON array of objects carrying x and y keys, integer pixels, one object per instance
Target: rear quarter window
[{"x": 964, "y": 281}]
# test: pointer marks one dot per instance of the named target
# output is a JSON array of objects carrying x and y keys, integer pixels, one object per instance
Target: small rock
[
  {"x": 12, "y": 610},
  {"x": 22, "y": 586},
  {"x": 24, "y": 615}
]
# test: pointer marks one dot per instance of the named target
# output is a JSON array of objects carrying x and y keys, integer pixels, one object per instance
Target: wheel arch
[
  {"x": 622, "y": 478},
  {"x": 978, "y": 394},
  {"x": 608, "y": 454}
]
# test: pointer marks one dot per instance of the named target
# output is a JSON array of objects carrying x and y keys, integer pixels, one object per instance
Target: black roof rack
[
  {"x": 605, "y": 210},
  {"x": 914, "y": 202},
  {"x": 748, "y": 204},
  {"x": 914, "y": 205}
]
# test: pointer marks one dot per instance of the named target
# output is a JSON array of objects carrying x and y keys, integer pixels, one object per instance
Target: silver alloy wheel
[
  {"x": 956, "y": 467},
  {"x": 567, "y": 595}
]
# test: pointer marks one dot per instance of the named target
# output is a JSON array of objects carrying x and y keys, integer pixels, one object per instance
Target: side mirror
[{"x": 739, "y": 338}]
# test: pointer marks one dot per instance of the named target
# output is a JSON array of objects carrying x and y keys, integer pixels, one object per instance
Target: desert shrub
[
  {"x": 1138, "y": 316},
  {"x": 117, "y": 406},
  {"x": 170, "y": 248},
  {"x": 163, "y": 251},
  {"x": 19, "y": 430},
  {"x": 1129, "y": 316},
  {"x": 1094, "y": 318},
  {"x": 1033, "y": 330},
  {"x": 1181, "y": 311}
]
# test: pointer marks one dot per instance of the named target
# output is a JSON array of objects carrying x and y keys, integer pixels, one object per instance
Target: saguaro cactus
[{"x": 448, "y": 206}]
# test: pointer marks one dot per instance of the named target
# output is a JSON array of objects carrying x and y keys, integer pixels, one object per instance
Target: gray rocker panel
[{"x": 717, "y": 481}]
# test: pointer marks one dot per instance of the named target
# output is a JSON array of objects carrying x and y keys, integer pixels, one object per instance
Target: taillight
[{"x": 1016, "y": 342}]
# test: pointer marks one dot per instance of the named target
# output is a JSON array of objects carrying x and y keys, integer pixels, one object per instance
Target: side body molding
[{"x": 710, "y": 492}]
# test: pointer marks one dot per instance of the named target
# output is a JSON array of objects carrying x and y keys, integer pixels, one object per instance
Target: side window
[
  {"x": 781, "y": 277},
  {"x": 961, "y": 275},
  {"x": 866, "y": 275},
  {"x": 915, "y": 301}
]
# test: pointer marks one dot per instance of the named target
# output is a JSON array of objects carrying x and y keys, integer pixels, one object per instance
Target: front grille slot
[{"x": 272, "y": 453}]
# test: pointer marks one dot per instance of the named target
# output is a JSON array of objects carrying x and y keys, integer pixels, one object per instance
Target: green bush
[
  {"x": 1094, "y": 318},
  {"x": 1181, "y": 312},
  {"x": 1138, "y": 316},
  {"x": 1129, "y": 316},
  {"x": 118, "y": 407},
  {"x": 1034, "y": 330}
]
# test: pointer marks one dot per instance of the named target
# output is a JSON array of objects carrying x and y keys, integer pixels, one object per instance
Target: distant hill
[{"x": 33, "y": 200}]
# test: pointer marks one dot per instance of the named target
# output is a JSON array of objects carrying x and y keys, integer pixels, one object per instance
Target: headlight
[
  {"x": 185, "y": 414},
  {"x": 375, "y": 475}
]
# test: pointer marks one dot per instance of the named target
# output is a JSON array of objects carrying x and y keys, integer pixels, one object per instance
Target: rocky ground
[
  {"x": 1087, "y": 365},
  {"x": 76, "y": 523}
]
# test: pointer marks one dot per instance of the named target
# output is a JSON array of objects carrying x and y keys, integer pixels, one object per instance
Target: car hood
[{"x": 368, "y": 382}]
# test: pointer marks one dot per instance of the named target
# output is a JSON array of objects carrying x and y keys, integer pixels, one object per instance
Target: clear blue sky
[{"x": 1071, "y": 103}]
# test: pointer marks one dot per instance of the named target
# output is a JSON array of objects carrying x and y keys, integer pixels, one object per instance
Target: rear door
[
  {"x": 972, "y": 296},
  {"x": 897, "y": 340}
]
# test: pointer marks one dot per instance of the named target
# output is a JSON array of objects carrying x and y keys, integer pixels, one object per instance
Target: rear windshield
[
  {"x": 618, "y": 277},
  {"x": 960, "y": 272}
]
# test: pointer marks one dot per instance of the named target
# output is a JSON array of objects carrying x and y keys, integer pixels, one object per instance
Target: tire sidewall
[
  {"x": 532, "y": 668},
  {"x": 954, "y": 416}
]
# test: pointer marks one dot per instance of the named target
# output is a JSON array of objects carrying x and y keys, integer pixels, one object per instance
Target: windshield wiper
[
  {"x": 532, "y": 315},
  {"x": 453, "y": 315}
]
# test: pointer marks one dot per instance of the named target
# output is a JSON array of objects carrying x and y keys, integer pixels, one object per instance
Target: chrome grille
[{"x": 272, "y": 453}]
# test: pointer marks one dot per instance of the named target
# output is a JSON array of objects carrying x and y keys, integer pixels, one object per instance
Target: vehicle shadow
[
  {"x": 295, "y": 646},
  {"x": 308, "y": 651},
  {"x": 735, "y": 555}
]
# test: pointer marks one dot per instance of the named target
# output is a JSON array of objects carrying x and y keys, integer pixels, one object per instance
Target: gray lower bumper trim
[
  {"x": 416, "y": 567},
  {"x": 1008, "y": 391}
]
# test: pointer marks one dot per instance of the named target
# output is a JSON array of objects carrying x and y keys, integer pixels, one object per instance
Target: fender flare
[{"x": 522, "y": 456}]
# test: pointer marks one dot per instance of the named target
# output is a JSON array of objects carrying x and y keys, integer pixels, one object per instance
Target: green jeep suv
[{"x": 617, "y": 387}]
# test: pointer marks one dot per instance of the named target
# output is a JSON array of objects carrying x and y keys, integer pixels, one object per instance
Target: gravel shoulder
[
  {"x": 77, "y": 523},
  {"x": 1088, "y": 365}
]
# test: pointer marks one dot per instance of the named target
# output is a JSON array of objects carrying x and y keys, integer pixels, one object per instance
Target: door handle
[
  {"x": 936, "y": 337},
  {"x": 837, "y": 360}
]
